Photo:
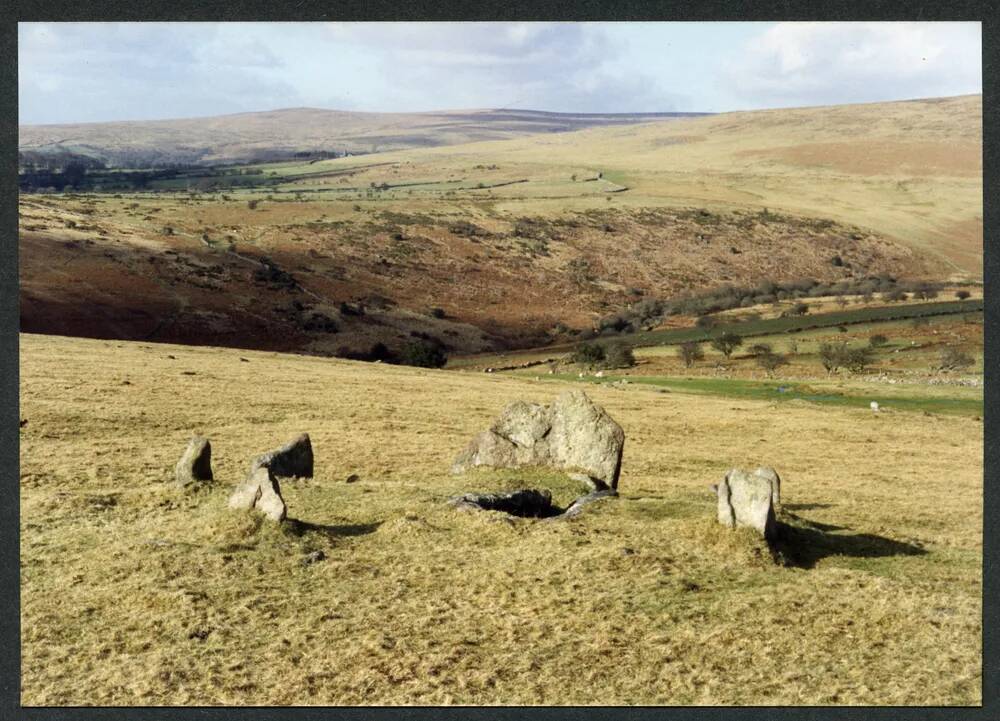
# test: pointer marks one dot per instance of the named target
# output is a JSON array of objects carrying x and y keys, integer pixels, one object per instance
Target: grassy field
[
  {"x": 969, "y": 403},
  {"x": 908, "y": 358},
  {"x": 133, "y": 592}
]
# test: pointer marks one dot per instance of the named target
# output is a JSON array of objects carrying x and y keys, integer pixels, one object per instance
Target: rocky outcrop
[
  {"x": 747, "y": 499},
  {"x": 571, "y": 434},
  {"x": 196, "y": 463},
  {"x": 261, "y": 492},
  {"x": 292, "y": 460}
]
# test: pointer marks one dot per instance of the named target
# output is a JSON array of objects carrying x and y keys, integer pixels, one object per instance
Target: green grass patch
[{"x": 782, "y": 391}]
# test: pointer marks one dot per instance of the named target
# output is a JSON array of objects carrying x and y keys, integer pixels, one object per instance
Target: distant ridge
[{"x": 276, "y": 134}]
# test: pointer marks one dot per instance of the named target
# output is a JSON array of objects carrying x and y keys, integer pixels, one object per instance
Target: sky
[{"x": 91, "y": 72}]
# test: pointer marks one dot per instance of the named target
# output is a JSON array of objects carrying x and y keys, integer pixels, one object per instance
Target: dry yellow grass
[{"x": 133, "y": 593}]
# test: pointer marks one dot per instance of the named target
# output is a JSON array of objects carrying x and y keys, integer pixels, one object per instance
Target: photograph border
[{"x": 454, "y": 10}]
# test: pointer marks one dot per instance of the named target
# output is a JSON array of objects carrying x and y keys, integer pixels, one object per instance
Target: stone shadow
[
  {"x": 798, "y": 520},
  {"x": 331, "y": 531},
  {"x": 805, "y": 545},
  {"x": 805, "y": 506}
]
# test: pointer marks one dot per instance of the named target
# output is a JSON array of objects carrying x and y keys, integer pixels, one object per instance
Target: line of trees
[
  {"x": 833, "y": 356},
  {"x": 649, "y": 312},
  {"x": 605, "y": 357},
  {"x": 421, "y": 353}
]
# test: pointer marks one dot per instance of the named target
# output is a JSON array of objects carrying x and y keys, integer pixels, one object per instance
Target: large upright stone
[
  {"x": 196, "y": 463},
  {"x": 292, "y": 460},
  {"x": 747, "y": 499},
  {"x": 584, "y": 436},
  {"x": 571, "y": 434},
  {"x": 260, "y": 491}
]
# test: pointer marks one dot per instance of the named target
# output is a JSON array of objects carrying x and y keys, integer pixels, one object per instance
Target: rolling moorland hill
[
  {"x": 910, "y": 169},
  {"x": 254, "y": 137},
  {"x": 500, "y": 244}
]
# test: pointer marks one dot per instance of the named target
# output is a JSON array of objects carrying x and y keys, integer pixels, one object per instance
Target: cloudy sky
[{"x": 84, "y": 72}]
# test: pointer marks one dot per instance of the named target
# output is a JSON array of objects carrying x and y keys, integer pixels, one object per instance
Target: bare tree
[
  {"x": 726, "y": 343},
  {"x": 953, "y": 359},
  {"x": 770, "y": 362},
  {"x": 689, "y": 352}
]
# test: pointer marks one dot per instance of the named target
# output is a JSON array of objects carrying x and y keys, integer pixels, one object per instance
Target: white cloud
[
  {"x": 79, "y": 72},
  {"x": 551, "y": 66},
  {"x": 829, "y": 63}
]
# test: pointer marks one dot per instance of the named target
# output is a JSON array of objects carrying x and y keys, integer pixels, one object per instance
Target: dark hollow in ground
[{"x": 527, "y": 503}]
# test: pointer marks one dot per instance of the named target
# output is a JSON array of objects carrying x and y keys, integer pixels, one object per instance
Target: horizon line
[{"x": 454, "y": 111}]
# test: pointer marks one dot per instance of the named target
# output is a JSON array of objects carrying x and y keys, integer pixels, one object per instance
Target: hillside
[
  {"x": 256, "y": 137},
  {"x": 286, "y": 277},
  {"x": 511, "y": 243},
  {"x": 911, "y": 170}
]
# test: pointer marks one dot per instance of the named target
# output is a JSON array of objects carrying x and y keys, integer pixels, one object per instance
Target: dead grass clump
[
  {"x": 229, "y": 530},
  {"x": 739, "y": 546}
]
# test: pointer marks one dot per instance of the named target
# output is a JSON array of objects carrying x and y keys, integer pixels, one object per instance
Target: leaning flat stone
[
  {"x": 261, "y": 492},
  {"x": 487, "y": 449},
  {"x": 577, "y": 506},
  {"x": 196, "y": 463}
]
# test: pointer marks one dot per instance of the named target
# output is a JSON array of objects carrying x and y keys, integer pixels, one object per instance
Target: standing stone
[
  {"x": 571, "y": 434},
  {"x": 196, "y": 463},
  {"x": 584, "y": 436},
  {"x": 746, "y": 499},
  {"x": 260, "y": 491},
  {"x": 292, "y": 460}
]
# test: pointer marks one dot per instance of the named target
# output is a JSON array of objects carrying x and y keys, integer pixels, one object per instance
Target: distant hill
[
  {"x": 278, "y": 134},
  {"x": 512, "y": 243},
  {"x": 911, "y": 170}
]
